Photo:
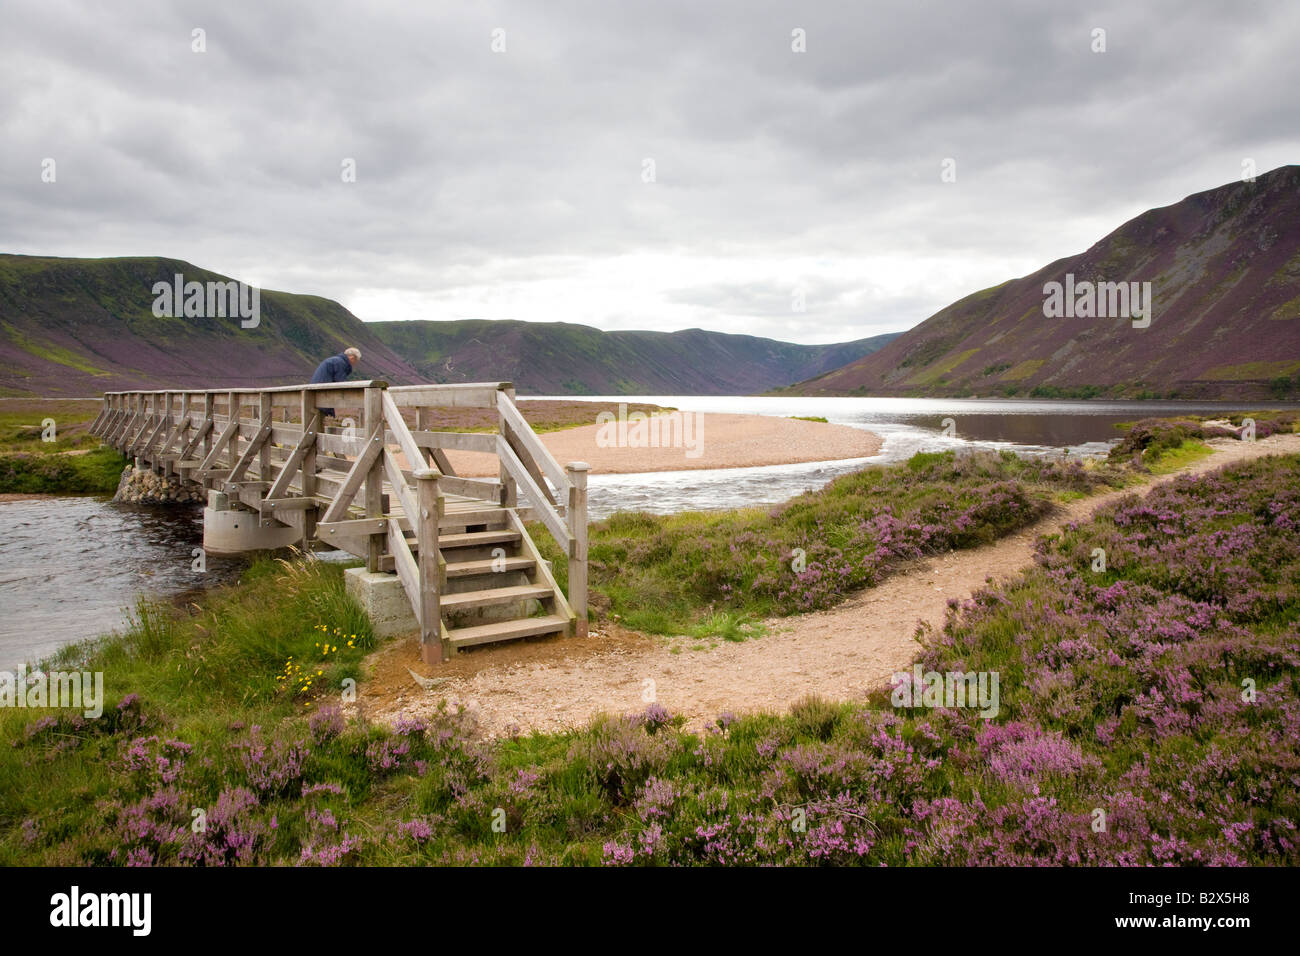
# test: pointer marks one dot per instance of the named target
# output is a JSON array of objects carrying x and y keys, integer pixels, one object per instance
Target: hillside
[
  {"x": 84, "y": 326},
  {"x": 549, "y": 358},
  {"x": 1225, "y": 272}
]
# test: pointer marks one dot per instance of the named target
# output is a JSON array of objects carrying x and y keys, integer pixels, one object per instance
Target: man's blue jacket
[{"x": 336, "y": 368}]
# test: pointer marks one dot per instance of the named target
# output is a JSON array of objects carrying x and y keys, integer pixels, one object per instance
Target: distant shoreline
[{"x": 712, "y": 440}]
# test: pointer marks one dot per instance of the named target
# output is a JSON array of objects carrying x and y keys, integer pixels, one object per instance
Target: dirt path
[{"x": 841, "y": 653}]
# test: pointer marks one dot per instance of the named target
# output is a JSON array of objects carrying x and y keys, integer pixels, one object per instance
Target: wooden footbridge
[{"x": 381, "y": 488}]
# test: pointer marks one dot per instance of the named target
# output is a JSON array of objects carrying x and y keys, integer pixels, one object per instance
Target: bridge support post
[
  {"x": 509, "y": 487},
  {"x": 432, "y": 646},
  {"x": 209, "y": 410},
  {"x": 576, "y": 515},
  {"x": 373, "y": 426},
  {"x": 308, "y": 404}
]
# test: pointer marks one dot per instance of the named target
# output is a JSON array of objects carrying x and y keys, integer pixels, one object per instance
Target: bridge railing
[{"x": 268, "y": 450}]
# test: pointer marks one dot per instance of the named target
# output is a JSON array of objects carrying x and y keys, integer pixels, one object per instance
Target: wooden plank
[
  {"x": 544, "y": 576},
  {"x": 200, "y": 433},
  {"x": 404, "y": 494},
  {"x": 430, "y": 569},
  {"x": 275, "y": 389},
  {"x": 507, "y": 630},
  {"x": 153, "y": 436},
  {"x": 482, "y": 489},
  {"x": 541, "y": 504},
  {"x": 109, "y": 424},
  {"x": 407, "y": 572},
  {"x": 467, "y": 600},
  {"x": 533, "y": 445},
  {"x": 464, "y": 518},
  {"x": 355, "y": 526},
  {"x": 513, "y": 439},
  {"x": 217, "y": 448},
  {"x": 305, "y": 442},
  {"x": 442, "y": 463},
  {"x": 476, "y": 539},
  {"x": 396, "y": 426},
  {"x": 283, "y": 434},
  {"x": 485, "y": 442},
  {"x": 254, "y": 447},
  {"x": 469, "y": 569},
  {"x": 373, "y": 422},
  {"x": 341, "y": 444},
  {"x": 178, "y": 429},
  {"x": 308, "y": 484},
  {"x": 469, "y": 395},
  {"x": 360, "y": 469},
  {"x": 577, "y": 518}
]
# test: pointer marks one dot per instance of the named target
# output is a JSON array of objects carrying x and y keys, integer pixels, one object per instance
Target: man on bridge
[{"x": 336, "y": 368}]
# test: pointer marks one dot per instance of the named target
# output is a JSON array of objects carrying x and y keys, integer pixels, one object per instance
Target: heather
[
  {"x": 1149, "y": 715},
  {"x": 1153, "y": 442},
  {"x": 707, "y": 572}
]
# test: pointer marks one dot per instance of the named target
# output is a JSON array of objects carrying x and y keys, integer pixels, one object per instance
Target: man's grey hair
[{"x": 355, "y": 353}]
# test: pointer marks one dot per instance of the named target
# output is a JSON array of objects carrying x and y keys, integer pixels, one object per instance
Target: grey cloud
[{"x": 513, "y": 171}]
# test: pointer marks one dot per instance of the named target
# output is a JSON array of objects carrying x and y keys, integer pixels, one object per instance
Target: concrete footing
[
  {"x": 228, "y": 531},
  {"x": 381, "y": 596}
]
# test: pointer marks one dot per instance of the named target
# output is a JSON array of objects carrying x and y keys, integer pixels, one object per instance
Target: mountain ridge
[
  {"x": 1224, "y": 265},
  {"x": 80, "y": 326}
]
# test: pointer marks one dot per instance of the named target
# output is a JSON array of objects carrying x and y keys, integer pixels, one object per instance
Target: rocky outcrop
[{"x": 145, "y": 487}]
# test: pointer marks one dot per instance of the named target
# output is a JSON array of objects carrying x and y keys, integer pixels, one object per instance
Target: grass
[
  {"x": 207, "y": 675},
  {"x": 24, "y": 422},
  {"x": 73, "y": 463},
  {"x": 95, "y": 472},
  {"x": 1168, "y": 460},
  {"x": 713, "y": 573},
  {"x": 1120, "y": 690},
  {"x": 809, "y": 418}
]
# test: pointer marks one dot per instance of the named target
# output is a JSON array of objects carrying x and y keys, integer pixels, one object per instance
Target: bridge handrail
[
  {"x": 218, "y": 449},
  {"x": 325, "y": 386}
]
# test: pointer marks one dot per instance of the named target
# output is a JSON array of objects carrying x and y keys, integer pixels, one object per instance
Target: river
[{"x": 72, "y": 566}]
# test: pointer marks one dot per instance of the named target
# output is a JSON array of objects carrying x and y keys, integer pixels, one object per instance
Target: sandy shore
[{"x": 696, "y": 440}]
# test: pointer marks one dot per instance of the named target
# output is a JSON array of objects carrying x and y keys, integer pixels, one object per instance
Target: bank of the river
[
  {"x": 692, "y": 441},
  {"x": 233, "y": 709},
  {"x": 95, "y": 471}
]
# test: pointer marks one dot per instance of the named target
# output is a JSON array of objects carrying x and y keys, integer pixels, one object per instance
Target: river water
[{"x": 71, "y": 567}]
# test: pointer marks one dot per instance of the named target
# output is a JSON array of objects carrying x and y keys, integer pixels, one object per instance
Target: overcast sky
[{"x": 511, "y": 183}]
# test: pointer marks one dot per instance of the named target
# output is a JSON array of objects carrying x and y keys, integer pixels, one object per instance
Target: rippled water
[
  {"x": 907, "y": 425},
  {"x": 70, "y": 567}
]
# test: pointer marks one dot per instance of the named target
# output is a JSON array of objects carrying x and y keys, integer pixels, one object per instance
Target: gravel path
[{"x": 841, "y": 653}]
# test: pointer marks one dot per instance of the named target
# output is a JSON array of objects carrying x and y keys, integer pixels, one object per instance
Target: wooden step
[
  {"x": 486, "y": 598},
  {"x": 488, "y": 514},
  {"x": 477, "y": 538},
  {"x": 507, "y": 630},
  {"x": 464, "y": 569}
]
